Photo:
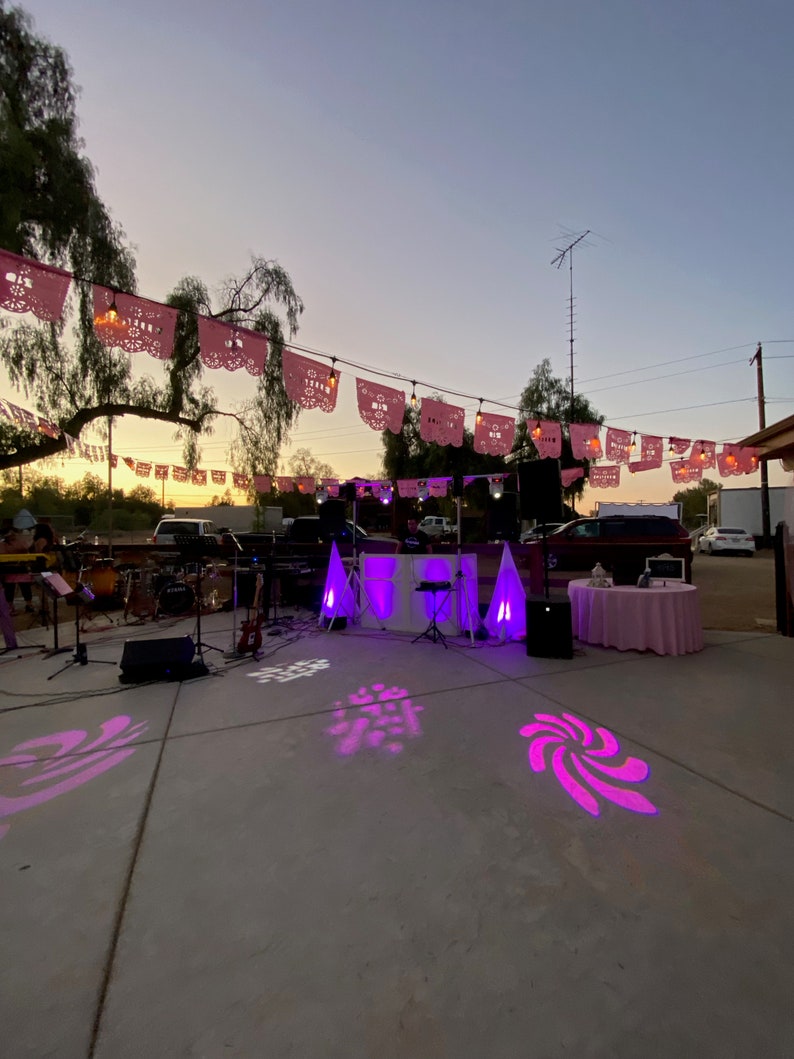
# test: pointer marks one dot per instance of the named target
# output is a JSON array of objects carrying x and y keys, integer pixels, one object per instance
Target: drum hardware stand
[
  {"x": 80, "y": 595},
  {"x": 198, "y": 547}
]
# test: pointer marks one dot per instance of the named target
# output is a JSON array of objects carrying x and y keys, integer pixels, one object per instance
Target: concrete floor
[{"x": 259, "y": 874}]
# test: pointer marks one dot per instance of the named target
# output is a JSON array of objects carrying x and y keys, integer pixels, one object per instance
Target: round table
[{"x": 662, "y": 618}]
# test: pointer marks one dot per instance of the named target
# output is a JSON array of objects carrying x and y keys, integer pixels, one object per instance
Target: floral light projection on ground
[
  {"x": 291, "y": 671},
  {"x": 380, "y": 718},
  {"x": 40, "y": 769},
  {"x": 578, "y": 762}
]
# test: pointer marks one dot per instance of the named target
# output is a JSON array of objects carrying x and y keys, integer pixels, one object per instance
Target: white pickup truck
[{"x": 437, "y": 526}]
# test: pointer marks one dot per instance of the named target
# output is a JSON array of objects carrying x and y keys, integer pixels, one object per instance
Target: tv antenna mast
[{"x": 559, "y": 260}]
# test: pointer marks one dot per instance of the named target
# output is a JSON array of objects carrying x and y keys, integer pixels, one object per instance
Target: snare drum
[{"x": 175, "y": 598}]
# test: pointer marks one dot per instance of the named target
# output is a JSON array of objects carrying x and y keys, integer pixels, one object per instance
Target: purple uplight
[
  {"x": 380, "y": 718},
  {"x": 574, "y": 757},
  {"x": 65, "y": 758}
]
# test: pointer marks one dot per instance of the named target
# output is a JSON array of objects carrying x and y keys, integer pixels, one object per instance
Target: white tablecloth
[{"x": 663, "y": 618}]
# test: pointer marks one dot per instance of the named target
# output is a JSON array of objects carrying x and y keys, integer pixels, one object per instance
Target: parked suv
[
  {"x": 168, "y": 528},
  {"x": 436, "y": 526},
  {"x": 311, "y": 529},
  {"x": 621, "y": 543}
]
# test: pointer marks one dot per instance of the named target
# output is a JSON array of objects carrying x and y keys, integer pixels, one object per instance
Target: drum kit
[{"x": 152, "y": 592}]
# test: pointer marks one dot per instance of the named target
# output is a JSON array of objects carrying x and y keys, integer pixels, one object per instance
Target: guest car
[
  {"x": 726, "y": 539},
  {"x": 621, "y": 543},
  {"x": 168, "y": 528},
  {"x": 537, "y": 531}
]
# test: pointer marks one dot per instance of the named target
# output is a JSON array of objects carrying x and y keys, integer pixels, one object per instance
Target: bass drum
[{"x": 175, "y": 598}]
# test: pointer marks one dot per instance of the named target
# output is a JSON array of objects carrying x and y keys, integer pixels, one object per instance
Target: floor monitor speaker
[
  {"x": 167, "y": 659},
  {"x": 549, "y": 632},
  {"x": 540, "y": 489}
]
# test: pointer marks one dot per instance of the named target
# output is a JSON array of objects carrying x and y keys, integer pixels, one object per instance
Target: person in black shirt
[{"x": 414, "y": 541}]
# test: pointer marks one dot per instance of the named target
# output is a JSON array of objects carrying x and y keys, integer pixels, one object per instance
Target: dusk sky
[{"x": 415, "y": 167}]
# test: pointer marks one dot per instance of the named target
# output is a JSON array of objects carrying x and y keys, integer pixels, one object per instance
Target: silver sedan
[{"x": 726, "y": 539}]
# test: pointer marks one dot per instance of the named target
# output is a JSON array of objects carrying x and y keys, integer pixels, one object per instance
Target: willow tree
[
  {"x": 548, "y": 397},
  {"x": 52, "y": 213}
]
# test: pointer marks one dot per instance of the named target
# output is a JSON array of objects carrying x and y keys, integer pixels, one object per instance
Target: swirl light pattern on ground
[{"x": 580, "y": 758}]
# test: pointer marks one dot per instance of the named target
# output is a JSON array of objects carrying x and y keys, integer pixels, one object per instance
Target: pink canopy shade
[
  {"x": 585, "y": 442},
  {"x": 145, "y": 326},
  {"x": 29, "y": 287},
  {"x": 231, "y": 347},
  {"x": 306, "y": 382},
  {"x": 441, "y": 423},
  {"x": 617, "y": 445},
  {"x": 652, "y": 450},
  {"x": 546, "y": 435},
  {"x": 381, "y": 407},
  {"x": 495, "y": 434},
  {"x": 605, "y": 477}
]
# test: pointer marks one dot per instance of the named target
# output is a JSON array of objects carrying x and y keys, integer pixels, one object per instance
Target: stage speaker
[
  {"x": 168, "y": 659},
  {"x": 457, "y": 485},
  {"x": 332, "y": 519},
  {"x": 347, "y": 492},
  {"x": 540, "y": 489},
  {"x": 549, "y": 632},
  {"x": 503, "y": 518}
]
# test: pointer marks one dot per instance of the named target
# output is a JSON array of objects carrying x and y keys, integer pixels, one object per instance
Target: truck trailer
[{"x": 742, "y": 508}]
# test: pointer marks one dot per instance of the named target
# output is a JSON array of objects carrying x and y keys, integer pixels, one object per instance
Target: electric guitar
[{"x": 251, "y": 631}]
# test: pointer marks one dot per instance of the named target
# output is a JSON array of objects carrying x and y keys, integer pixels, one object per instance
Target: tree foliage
[
  {"x": 52, "y": 212},
  {"x": 548, "y": 397},
  {"x": 694, "y": 502}
]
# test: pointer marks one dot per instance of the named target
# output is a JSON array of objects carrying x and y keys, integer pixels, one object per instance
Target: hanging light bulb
[
  {"x": 496, "y": 485},
  {"x": 413, "y": 393},
  {"x": 633, "y": 445},
  {"x": 332, "y": 374},
  {"x": 537, "y": 430},
  {"x": 478, "y": 418},
  {"x": 671, "y": 450},
  {"x": 109, "y": 321}
]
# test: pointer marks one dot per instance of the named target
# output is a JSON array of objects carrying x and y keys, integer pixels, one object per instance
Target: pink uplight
[{"x": 577, "y": 760}]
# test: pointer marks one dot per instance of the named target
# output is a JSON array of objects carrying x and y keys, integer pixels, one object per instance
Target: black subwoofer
[
  {"x": 168, "y": 659},
  {"x": 549, "y": 632}
]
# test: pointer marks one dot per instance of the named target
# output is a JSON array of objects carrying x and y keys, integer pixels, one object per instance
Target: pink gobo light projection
[
  {"x": 379, "y": 718},
  {"x": 579, "y": 759},
  {"x": 41, "y": 769}
]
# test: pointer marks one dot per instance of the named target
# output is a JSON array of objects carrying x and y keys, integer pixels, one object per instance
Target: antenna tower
[{"x": 559, "y": 260}]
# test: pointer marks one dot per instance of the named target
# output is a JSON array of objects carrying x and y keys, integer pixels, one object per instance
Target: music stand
[
  {"x": 81, "y": 594},
  {"x": 56, "y": 588},
  {"x": 195, "y": 548}
]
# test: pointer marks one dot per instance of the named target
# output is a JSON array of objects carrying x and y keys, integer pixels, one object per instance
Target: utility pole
[
  {"x": 558, "y": 261},
  {"x": 766, "y": 526}
]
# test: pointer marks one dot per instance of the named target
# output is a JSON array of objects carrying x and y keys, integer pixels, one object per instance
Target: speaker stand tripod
[{"x": 196, "y": 549}]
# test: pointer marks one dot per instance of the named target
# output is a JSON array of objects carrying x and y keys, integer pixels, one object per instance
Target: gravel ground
[{"x": 736, "y": 593}]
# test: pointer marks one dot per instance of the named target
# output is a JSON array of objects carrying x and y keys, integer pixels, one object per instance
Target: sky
[{"x": 416, "y": 168}]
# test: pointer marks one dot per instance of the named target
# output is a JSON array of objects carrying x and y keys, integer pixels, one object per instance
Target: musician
[
  {"x": 17, "y": 540},
  {"x": 414, "y": 541}
]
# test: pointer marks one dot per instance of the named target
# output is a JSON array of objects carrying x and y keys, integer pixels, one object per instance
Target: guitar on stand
[{"x": 251, "y": 630}]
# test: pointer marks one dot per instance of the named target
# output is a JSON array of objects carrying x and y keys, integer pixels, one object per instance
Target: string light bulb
[
  {"x": 671, "y": 450},
  {"x": 478, "y": 418},
  {"x": 633, "y": 445},
  {"x": 537, "y": 430},
  {"x": 332, "y": 374},
  {"x": 413, "y": 393}
]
